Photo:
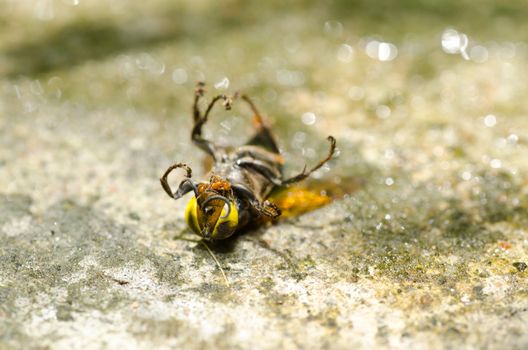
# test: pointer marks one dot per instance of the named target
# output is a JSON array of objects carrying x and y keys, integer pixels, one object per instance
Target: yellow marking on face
[
  {"x": 191, "y": 216},
  {"x": 226, "y": 226}
]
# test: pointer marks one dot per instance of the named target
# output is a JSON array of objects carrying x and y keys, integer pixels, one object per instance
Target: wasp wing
[{"x": 312, "y": 194}]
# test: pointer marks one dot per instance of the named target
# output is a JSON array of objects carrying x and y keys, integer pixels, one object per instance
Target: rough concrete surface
[{"x": 424, "y": 247}]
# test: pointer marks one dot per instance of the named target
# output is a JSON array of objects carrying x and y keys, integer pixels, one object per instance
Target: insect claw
[
  {"x": 200, "y": 88},
  {"x": 228, "y": 101},
  {"x": 332, "y": 145}
]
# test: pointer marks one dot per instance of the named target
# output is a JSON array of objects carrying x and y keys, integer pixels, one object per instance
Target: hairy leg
[
  {"x": 263, "y": 137},
  {"x": 304, "y": 174},
  {"x": 199, "y": 120}
]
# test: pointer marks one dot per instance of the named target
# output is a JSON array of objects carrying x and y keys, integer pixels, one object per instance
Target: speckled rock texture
[{"x": 425, "y": 247}]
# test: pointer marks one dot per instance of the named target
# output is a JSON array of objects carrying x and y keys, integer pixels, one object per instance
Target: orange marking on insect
[
  {"x": 221, "y": 186},
  {"x": 202, "y": 188},
  {"x": 258, "y": 123},
  {"x": 298, "y": 201}
]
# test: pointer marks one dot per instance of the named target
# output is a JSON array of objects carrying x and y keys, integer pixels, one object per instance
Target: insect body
[{"x": 241, "y": 178}]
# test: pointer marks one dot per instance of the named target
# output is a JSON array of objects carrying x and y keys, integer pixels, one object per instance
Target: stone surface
[{"x": 425, "y": 247}]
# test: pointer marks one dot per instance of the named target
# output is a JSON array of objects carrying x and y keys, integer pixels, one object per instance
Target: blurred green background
[
  {"x": 352, "y": 68},
  {"x": 137, "y": 46}
]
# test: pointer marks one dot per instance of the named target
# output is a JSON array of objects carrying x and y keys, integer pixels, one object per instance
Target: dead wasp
[{"x": 241, "y": 178}]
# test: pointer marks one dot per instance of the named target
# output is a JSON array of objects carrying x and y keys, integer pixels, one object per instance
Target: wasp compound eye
[
  {"x": 222, "y": 198},
  {"x": 209, "y": 210}
]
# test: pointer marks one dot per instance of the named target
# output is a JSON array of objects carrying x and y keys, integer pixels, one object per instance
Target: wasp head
[{"x": 212, "y": 213}]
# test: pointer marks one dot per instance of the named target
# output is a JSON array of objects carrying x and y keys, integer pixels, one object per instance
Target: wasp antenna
[
  {"x": 166, "y": 187},
  {"x": 165, "y": 183},
  {"x": 217, "y": 263},
  {"x": 184, "y": 190}
]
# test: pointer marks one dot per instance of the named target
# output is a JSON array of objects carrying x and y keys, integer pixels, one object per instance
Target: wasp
[{"x": 241, "y": 178}]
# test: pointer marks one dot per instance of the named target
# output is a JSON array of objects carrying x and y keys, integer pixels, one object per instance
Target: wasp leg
[
  {"x": 256, "y": 152},
  {"x": 270, "y": 173},
  {"x": 165, "y": 183},
  {"x": 198, "y": 92},
  {"x": 270, "y": 210},
  {"x": 199, "y": 120},
  {"x": 267, "y": 208},
  {"x": 263, "y": 137},
  {"x": 304, "y": 174}
]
